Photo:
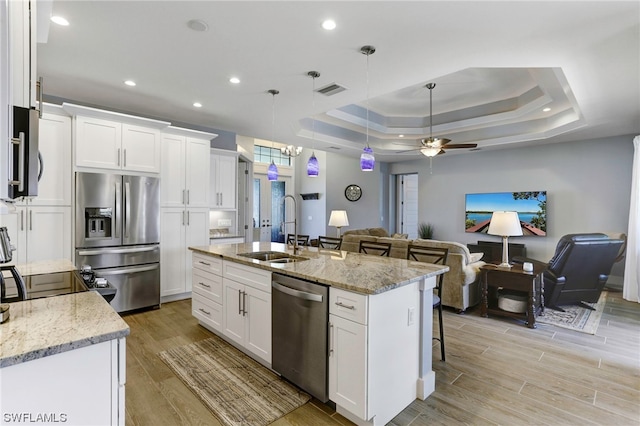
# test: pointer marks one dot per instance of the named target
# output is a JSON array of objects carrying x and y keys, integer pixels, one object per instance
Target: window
[{"x": 261, "y": 155}]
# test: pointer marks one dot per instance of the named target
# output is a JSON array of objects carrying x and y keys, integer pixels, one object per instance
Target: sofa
[{"x": 461, "y": 287}]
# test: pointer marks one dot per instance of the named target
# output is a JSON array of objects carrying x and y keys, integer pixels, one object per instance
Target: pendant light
[
  {"x": 367, "y": 159},
  {"x": 272, "y": 171},
  {"x": 313, "y": 167}
]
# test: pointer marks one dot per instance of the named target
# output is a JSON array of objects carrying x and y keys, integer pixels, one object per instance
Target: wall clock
[{"x": 353, "y": 192}]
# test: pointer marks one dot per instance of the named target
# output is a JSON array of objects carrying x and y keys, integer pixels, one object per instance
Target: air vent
[
  {"x": 334, "y": 147},
  {"x": 331, "y": 89}
]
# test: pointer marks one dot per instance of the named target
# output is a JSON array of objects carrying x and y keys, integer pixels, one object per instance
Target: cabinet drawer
[
  {"x": 207, "y": 263},
  {"x": 348, "y": 305},
  {"x": 207, "y": 284},
  {"x": 207, "y": 311},
  {"x": 253, "y": 277}
]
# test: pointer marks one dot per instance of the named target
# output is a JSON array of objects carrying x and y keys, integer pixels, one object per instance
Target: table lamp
[
  {"x": 338, "y": 219},
  {"x": 505, "y": 224}
]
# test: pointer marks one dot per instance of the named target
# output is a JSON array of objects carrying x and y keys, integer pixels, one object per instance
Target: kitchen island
[
  {"x": 62, "y": 359},
  {"x": 380, "y": 318}
]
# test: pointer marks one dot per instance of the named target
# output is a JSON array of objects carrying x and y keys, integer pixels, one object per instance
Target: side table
[{"x": 494, "y": 277}]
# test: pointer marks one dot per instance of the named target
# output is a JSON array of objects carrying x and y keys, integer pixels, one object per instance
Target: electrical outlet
[
  {"x": 411, "y": 316},
  {"x": 224, "y": 222}
]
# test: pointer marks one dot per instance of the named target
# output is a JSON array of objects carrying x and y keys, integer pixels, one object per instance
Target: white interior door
[{"x": 407, "y": 205}]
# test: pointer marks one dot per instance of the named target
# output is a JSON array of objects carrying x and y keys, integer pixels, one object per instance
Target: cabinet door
[
  {"x": 227, "y": 182},
  {"x": 98, "y": 143},
  {"x": 140, "y": 149},
  {"x": 14, "y": 222},
  {"x": 54, "y": 188},
  {"x": 234, "y": 327},
  {"x": 348, "y": 365},
  {"x": 197, "y": 172},
  {"x": 258, "y": 323},
  {"x": 172, "y": 185},
  {"x": 172, "y": 252},
  {"x": 48, "y": 233}
]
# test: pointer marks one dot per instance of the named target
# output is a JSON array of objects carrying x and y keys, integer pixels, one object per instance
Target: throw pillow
[{"x": 402, "y": 236}]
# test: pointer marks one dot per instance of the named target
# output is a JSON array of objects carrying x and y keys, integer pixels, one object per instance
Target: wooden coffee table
[{"x": 530, "y": 284}]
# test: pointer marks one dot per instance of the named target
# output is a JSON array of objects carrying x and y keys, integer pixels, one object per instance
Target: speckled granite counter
[
  {"x": 46, "y": 267},
  {"x": 351, "y": 271},
  {"x": 43, "y": 327}
]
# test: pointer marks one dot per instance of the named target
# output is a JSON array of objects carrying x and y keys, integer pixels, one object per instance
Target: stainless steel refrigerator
[{"x": 118, "y": 235}]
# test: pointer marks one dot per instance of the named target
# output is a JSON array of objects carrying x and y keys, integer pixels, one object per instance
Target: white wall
[{"x": 588, "y": 184}]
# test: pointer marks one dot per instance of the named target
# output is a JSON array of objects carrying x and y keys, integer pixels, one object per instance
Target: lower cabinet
[
  {"x": 180, "y": 229},
  {"x": 235, "y": 301},
  {"x": 373, "y": 352},
  {"x": 39, "y": 233},
  {"x": 72, "y": 387}
]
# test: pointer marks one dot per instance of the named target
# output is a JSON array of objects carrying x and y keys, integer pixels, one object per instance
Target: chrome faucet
[{"x": 296, "y": 248}]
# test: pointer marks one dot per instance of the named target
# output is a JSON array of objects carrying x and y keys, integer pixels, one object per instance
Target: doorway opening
[{"x": 407, "y": 204}]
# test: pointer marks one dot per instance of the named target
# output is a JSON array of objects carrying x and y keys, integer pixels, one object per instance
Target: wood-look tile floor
[{"x": 497, "y": 372}]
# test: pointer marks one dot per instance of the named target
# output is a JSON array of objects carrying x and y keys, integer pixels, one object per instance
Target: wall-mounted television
[{"x": 531, "y": 207}]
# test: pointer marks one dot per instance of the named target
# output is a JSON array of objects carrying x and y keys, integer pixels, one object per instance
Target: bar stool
[
  {"x": 329, "y": 242},
  {"x": 437, "y": 256},
  {"x": 383, "y": 248}
]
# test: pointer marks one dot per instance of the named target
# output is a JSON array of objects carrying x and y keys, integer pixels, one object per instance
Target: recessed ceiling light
[
  {"x": 329, "y": 24},
  {"x": 234, "y": 80},
  {"x": 198, "y": 25},
  {"x": 59, "y": 20},
  {"x": 130, "y": 83},
  {"x": 401, "y": 136},
  {"x": 197, "y": 104},
  {"x": 546, "y": 109}
]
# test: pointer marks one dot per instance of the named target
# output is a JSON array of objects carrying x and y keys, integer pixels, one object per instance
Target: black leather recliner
[{"x": 579, "y": 269}]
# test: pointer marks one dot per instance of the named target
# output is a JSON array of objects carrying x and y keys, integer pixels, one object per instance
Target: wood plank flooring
[{"x": 497, "y": 372}]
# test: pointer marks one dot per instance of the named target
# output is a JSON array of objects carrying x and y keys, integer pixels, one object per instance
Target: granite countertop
[
  {"x": 42, "y": 327},
  {"x": 46, "y": 267},
  {"x": 347, "y": 270}
]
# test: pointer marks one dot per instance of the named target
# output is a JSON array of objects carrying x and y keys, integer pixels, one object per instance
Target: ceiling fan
[{"x": 430, "y": 147}]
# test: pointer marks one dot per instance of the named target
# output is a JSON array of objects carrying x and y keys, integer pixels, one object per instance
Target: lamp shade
[
  {"x": 272, "y": 171},
  {"x": 430, "y": 151},
  {"x": 367, "y": 160},
  {"x": 505, "y": 224},
  {"x": 313, "y": 168},
  {"x": 338, "y": 218}
]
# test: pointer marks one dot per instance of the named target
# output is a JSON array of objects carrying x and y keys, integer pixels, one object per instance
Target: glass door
[{"x": 269, "y": 208}]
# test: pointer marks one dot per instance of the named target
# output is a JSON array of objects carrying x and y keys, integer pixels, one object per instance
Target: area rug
[
  {"x": 237, "y": 389},
  {"x": 576, "y": 317}
]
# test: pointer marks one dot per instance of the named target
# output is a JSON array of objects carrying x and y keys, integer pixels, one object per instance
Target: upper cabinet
[
  {"x": 22, "y": 45},
  {"x": 185, "y": 168},
  {"x": 107, "y": 140},
  {"x": 54, "y": 187},
  {"x": 223, "y": 179}
]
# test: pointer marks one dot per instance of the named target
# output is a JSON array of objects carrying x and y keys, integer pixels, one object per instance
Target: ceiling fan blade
[
  {"x": 461, "y": 145},
  {"x": 409, "y": 150}
]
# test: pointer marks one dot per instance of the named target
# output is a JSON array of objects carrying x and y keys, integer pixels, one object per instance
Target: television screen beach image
[{"x": 530, "y": 206}]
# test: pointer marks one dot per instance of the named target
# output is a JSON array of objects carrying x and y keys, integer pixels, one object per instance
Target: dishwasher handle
[{"x": 305, "y": 295}]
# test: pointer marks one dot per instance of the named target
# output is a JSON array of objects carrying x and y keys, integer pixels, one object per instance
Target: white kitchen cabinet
[
  {"x": 207, "y": 296},
  {"x": 179, "y": 229},
  {"x": 80, "y": 386},
  {"x": 108, "y": 144},
  {"x": 115, "y": 141},
  {"x": 223, "y": 179},
  {"x": 185, "y": 168},
  {"x": 22, "y": 45},
  {"x": 55, "y": 186},
  {"x": 247, "y": 308},
  {"x": 373, "y": 341},
  {"x": 39, "y": 233}
]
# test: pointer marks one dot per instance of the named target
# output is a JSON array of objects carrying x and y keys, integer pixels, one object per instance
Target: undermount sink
[{"x": 273, "y": 256}]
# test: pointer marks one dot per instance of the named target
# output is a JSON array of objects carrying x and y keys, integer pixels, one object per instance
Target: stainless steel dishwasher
[{"x": 300, "y": 320}]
